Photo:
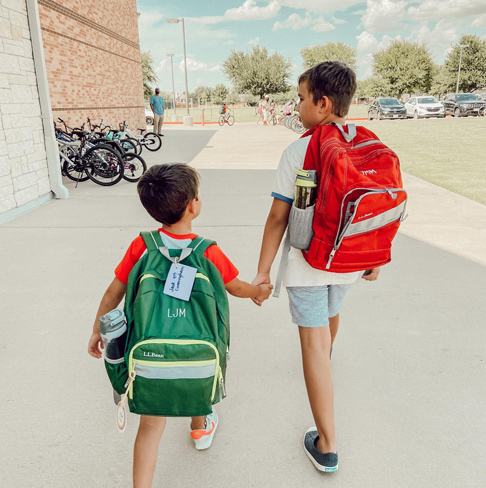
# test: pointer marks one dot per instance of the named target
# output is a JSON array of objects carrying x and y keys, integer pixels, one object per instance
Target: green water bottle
[{"x": 305, "y": 188}]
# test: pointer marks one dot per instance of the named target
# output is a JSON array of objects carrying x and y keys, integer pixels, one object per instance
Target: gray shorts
[{"x": 311, "y": 306}]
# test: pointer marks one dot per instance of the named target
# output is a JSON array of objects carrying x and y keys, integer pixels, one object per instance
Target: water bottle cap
[
  {"x": 306, "y": 175},
  {"x": 112, "y": 321}
]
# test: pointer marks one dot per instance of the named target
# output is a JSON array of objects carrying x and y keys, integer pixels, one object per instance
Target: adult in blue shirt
[{"x": 157, "y": 105}]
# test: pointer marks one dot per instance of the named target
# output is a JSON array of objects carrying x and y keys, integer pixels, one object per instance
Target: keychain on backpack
[{"x": 121, "y": 409}]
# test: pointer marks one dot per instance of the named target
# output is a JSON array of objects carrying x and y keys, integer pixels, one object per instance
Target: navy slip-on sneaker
[{"x": 323, "y": 462}]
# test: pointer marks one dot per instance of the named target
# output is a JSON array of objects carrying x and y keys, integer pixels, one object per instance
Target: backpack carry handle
[{"x": 348, "y": 136}]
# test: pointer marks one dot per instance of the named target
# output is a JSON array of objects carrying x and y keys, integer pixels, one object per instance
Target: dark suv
[
  {"x": 463, "y": 104},
  {"x": 387, "y": 108}
]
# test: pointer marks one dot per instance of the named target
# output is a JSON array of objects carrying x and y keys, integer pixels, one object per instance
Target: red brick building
[{"x": 92, "y": 55}]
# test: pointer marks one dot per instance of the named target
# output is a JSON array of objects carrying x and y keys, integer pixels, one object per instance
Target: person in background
[{"x": 157, "y": 105}]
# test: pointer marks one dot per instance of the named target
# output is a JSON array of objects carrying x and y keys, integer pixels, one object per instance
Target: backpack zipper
[
  {"x": 182, "y": 342},
  {"x": 340, "y": 235}
]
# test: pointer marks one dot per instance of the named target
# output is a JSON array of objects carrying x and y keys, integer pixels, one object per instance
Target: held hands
[
  {"x": 265, "y": 291},
  {"x": 261, "y": 279},
  {"x": 95, "y": 345},
  {"x": 373, "y": 275}
]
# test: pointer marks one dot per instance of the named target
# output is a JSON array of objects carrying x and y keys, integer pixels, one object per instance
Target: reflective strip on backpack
[
  {"x": 169, "y": 372},
  {"x": 374, "y": 223}
]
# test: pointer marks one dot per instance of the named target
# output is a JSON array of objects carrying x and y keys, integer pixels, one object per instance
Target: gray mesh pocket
[{"x": 300, "y": 227}]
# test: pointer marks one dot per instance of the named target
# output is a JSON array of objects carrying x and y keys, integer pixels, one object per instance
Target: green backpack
[{"x": 176, "y": 350}]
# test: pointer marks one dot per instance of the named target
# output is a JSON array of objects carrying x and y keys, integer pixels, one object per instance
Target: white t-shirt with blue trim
[{"x": 299, "y": 271}]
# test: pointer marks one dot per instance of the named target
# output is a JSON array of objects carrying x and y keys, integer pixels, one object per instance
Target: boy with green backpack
[{"x": 174, "y": 283}]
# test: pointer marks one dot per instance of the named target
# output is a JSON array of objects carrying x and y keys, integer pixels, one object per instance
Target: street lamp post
[
  {"x": 187, "y": 119},
  {"x": 174, "y": 117},
  {"x": 461, "y": 47}
]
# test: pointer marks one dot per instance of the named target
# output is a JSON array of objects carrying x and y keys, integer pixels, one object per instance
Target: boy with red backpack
[{"x": 318, "y": 278}]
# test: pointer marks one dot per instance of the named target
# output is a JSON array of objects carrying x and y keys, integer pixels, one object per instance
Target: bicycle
[
  {"x": 117, "y": 139},
  {"x": 150, "y": 140},
  {"x": 226, "y": 118},
  {"x": 99, "y": 163}
]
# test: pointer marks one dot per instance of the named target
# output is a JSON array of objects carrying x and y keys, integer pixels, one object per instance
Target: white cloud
[
  {"x": 338, "y": 21},
  {"x": 453, "y": 10},
  {"x": 319, "y": 6},
  {"x": 250, "y": 11},
  {"x": 254, "y": 42},
  {"x": 296, "y": 22},
  {"x": 216, "y": 19},
  {"x": 383, "y": 15},
  {"x": 439, "y": 39},
  {"x": 164, "y": 65},
  {"x": 367, "y": 45},
  {"x": 480, "y": 21},
  {"x": 193, "y": 65}
]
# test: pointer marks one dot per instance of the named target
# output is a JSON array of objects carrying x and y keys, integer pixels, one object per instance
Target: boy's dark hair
[
  {"x": 166, "y": 189},
  {"x": 332, "y": 79}
]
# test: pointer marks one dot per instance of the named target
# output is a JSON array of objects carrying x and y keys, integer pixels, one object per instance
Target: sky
[{"x": 216, "y": 27}]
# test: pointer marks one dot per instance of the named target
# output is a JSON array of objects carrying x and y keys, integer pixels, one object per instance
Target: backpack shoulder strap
[
  {"x": 152, "y": 240},
  {"x": 283, "y": 265},
  {"x": 200, "y": 245}
]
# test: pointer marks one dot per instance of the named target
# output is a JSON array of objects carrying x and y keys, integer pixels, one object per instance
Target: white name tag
[{"x": 180, "y": 281}]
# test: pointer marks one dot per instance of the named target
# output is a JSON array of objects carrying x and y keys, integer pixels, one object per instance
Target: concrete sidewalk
[{"x": 408, "y": 364}]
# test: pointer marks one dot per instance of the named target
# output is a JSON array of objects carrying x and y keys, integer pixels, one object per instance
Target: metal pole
[
  {"x": 173, "y": 85},
  {"x": 459, "y": 71},
  {"x": 185, "y": 64}
]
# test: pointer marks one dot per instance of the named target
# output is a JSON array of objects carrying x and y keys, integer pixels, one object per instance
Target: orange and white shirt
[{"x": 138, "y": 248}]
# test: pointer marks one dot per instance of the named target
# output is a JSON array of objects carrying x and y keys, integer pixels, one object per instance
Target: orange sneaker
[{"x": 204, "y": 437}]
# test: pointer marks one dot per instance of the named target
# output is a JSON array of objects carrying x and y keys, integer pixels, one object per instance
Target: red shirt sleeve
[
  {"x": 133, "y": 254},
  {"x": 137, "y": 249},
  {"x": 220, "y": 260}
]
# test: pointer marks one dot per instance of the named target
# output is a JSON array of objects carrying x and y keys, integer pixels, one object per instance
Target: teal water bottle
[{"x": 113, "y": 329}]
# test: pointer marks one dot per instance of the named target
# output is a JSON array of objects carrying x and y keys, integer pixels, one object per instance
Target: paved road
[{"x": 409, "y": 362}]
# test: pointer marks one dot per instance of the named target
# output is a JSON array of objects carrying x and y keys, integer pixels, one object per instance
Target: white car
[{"x": 424, "y": 107}]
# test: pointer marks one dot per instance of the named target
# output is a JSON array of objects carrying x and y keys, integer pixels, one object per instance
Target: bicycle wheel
[
  {"x": 297, "y": 126},
  {"x": 221, "y": 121},
  {"x": 129, "y": 145},
  {"x": 74, "y": 168},
  {"x": 152, "y": 141},
  {"x": 133, "y": 167},
  {"x": 103, "y": 165},
  {"x": 231, "y": 120}
]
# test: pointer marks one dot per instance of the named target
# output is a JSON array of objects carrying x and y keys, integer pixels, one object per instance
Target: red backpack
[{"x": 360, "y": 200}]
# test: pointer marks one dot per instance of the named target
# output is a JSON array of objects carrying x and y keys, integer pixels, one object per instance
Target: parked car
[
  {"x": 149, "y": 116},
  {"x": 482, "y": 96},
  {"x": 424, "y": 107},
  {"x": 463, "y": 104},
  {"x": 387, "y": 108}
]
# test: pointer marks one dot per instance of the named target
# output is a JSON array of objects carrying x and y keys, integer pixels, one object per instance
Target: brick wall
[
  {"x": 93, "y": 60},
  {"x": 23, "y": 163}
]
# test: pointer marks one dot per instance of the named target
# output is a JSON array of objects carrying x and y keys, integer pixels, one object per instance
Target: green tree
[
  {"x": 330, "y": 51},
  {"x": 148, "y": 74},
  {"x": 375, "y": 86},
  {"x": 219, "y": 94},
  {"x": 406, "y": 66},
  {"x": 204, "y": 93},
  {"x": 442, "y": 82},
  {"x": 473, "y": 64},
  {"x": 257, "y": 72}
]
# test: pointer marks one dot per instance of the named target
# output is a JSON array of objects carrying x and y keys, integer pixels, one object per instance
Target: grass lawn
[{"x": 448, "y": 152}]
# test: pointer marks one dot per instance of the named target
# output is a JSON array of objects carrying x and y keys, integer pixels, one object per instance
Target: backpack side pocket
[
  {"x": 300, "y": 227},
  {"x": 118, "y": 374}
]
